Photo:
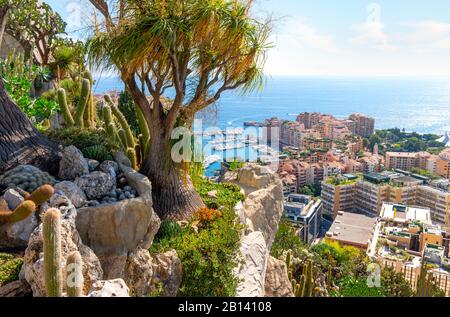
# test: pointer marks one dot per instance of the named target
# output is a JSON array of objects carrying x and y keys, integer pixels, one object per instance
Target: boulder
[
  {"x": 113, "y": 230},
  {"x": 16, "y": 289},
  {"x": 111, "y": 288},
  {"x": 167, "y": 273},
  {"x": 73, "y": 192},
  {"x": 109, "y": 167},
  {"x": 13, "y": 198},
  {"x": 72, "y": 164},
  {"x": 277, "y": 282},
  {"x": 17, "y": 234},
  {"x": 96, "y": 185},
  {"x": 32, "y": 270},
  {"x": 252, "y": 271}
]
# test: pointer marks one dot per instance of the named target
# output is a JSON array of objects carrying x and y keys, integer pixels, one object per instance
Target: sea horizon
[{"x": 415, "y": 104}]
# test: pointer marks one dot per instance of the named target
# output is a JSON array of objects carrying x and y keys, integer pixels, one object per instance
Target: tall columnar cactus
[
  {"x": 91, "y": 117},
  {"x": 122, "y": 138},
  {"x": 41, "y": 195},
  {"x": 123, "y": 122},
  {"x": 145, "y": 132},
  {"x": 75, "y": 279},
  {"x": 52, "y": 252},
  {"x": 22, "y": 212},
  {"x": 131, "y": 154},
  {"x": 62, "y": 101},
  {"x": 84, "y": 98},
  {"x": 304, "y": 287}
]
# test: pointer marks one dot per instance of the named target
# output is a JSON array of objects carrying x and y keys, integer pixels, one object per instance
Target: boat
[
  {"x": 229, "y": 146},
  {"x": 211, "y": 160}
]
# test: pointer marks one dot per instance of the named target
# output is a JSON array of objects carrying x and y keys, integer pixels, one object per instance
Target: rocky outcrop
[
  {"x": 251, "y": 273},
  {"x": 72, "y": 164},
  {"x": 111, "y": 288},
  {"x": 32, "y": 270},
  {"x": 263, "y": 206},
  {"x": 261, "y": 212},
  {"x": 114, "y": 230},
  {"x": 167, "y": 273},
  {"x": 277, "y": 282},
  {"x": 158, "y": 274},
  {"x": 73, "y": 192}
]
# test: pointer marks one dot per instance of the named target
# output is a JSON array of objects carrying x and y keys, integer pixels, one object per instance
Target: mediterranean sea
[{"x": 415, "y": 104}]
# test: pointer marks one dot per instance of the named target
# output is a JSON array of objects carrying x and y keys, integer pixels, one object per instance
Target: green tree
[
  {"x": 200, "y": 48},
  {"x": 35, "y": 26}
]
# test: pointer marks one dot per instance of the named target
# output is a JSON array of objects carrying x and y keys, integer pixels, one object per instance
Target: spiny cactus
[
  {"x": 122, "y": 138},
  {"x": 145, "y": 132},
  {"x": 123, "y": 122},
  {"x": 91, "y": 106},
  {"x": 41, "y": 195},
  {"x": 304, "y": 287},
  {"x": 84, "y": 98},
  {"x": 131, "y": 154},
  {"x": 22, "y": 212},
  {"x": 62, "y": 101},
  {"x": 25, "y": 177},
  {"x": 52, "y": 252},
  {"x": 74, "y": 270}
]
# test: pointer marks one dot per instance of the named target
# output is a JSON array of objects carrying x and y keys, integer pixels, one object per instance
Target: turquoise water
[{"x": 415, "y": 104}]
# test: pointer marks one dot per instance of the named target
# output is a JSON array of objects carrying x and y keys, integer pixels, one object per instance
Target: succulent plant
[
  {"x": 62, "y": 101},
  {"x": 84, "y": 99},
  {"x": 23, "y": 211},
  {"x": 26, "y": 177},
  {"x": 41, "y": 195},
  {"x": 74, "y": 270},
  {"x": 52, "y": 252}
]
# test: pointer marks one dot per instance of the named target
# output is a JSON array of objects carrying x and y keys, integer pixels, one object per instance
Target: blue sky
[{"x": 351, "y": 37}]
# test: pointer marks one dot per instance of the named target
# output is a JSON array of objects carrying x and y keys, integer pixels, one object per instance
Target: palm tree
[{"x": 200, "y": 49}]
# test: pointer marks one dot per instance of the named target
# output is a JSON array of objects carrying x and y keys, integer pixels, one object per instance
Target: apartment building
[
  {"x": 443, "y": 164},
  {"x": 364, "y": 125},
  {"x": 368, "y": 195},
  {"x": 407, "y": 160},
  {"x": 337, "y": 198}
]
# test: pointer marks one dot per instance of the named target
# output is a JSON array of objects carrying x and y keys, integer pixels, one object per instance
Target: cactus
[
  {"x": 62, "y": 100},
  {"x": 131, "y": 154},
  {"x": 138, "y": 152},
  {"x": 52, "y": 252},
  {"x": 123, "y": 122},
  {"x": 41, "y": 195},
  {"x": 74, "y": 270},
  {"x": 144, "y": 130},
  {"x": 304, "y": 287},
  {"x": 84, "y": 98},
  {"x": 26, "y": 177},
  {"x": 122, "y": 138},
  {"x": 22, "y": 212}
]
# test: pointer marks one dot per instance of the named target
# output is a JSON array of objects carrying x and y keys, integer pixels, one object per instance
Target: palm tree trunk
[
  {"x": 20, "y": 142},
  {"x": 174, "y": 195}
]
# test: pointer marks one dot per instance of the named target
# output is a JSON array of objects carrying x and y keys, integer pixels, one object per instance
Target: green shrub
[
  {"x": 97, "y": 152},
  {"x": 82, "y": 138},
  {"x": 209, "y": 256},
  {"x": 9, "y": 268},
  {"x": 168, "y": 229},
  {"x": 227, "y": 194},
  {"x": 357, "y": 287},
  {"x": 286, "y": 239}
]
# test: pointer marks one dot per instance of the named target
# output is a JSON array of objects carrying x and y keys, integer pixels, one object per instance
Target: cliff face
[{"x": 261, "y": 213}]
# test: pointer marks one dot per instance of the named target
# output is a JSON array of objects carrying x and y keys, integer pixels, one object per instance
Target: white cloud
[
  {"x": 426, "y": 36},
  {"x": 373, "y": 35},
  {"x": 306, "y": 36}
]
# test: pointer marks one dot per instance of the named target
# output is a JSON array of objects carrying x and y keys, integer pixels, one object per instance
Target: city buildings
[
  {"x": 443, "y": 164},
  {"x": 353, "y": 229},
  {"x": 305, "y": 213},
  {"x": 408, "y": 160},
  {"x": 367, "y": 195},
  {"x": 364, "y": 125}
]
